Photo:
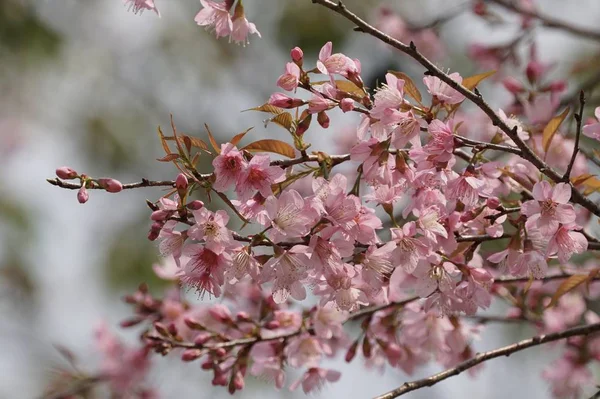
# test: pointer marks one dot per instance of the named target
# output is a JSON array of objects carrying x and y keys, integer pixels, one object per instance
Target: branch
[
  {"x": 144, "y": 183},
  {"x": 549, "y": 22},
  {"x": 487, "y": 146},
  {"x": 481, "y": 238},
  {"x": 475, "y": 97},
  {"x": 482, "y": 357},
  {"x": 578, "y": 118}
]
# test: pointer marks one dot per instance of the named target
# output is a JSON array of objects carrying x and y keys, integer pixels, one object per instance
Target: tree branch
[
  {"x": 487, "y": 146},
  {"x": 549, "y": 22},
  {"x": 579, "y": 119},
  {"x": 475, "y": 97},
  {"x": 482, "y": 357},
  {"x": 144, "y": 183}
]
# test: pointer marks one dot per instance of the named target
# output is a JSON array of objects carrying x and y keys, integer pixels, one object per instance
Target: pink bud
[
  {"x": 110, "y": 185},
  {"x": 131, "y": 322},
  {"x": 351, "y": 352},
  {"x": 82, "y": 195},
  {"x": 557, "y": 87},
  {"x": 284, "y": 101},
  {"x": 181, "y": 182},
  {"x": 66, "y": 173},
  {"x": 297, "y": 55},
  {"x": 272, "y": 325},
  {"x": 220, "y": 379},
  {"x": 195, "y": 205},
  {"x": 479, "y": 8},
  {"x": 513, "y": 85},
  {"x": 323, "y": 119},
  {"x": 467, "y": 216},
  {"x": 207, "y": 365},
  {"x": 160, "y": 215},
  {"x": 238, "y": 381},
  {"x": 534, "y": 71},
  {"x": 220, "y": 314},
  {"x": 189, "y": 355},
  {"x": 493, "y": 202},
  {"x": 220, "y": 352},
  {"x": 202, "y": 338},
  {"x": 347, "y": 104},
  {"x": 242, "y": 316}
]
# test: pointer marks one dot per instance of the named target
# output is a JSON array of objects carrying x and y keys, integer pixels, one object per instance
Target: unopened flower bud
[
  {"x": 172, "y": 329},
  {"x": 557, "y": 87},
  {"x": 304, "y": 124},
  {"x": 66, "y": 173},
  {"x": 194, "y": 325},
  {"x": 323, "y": 119},
  {"x": 181, "y": 182},
  {"x": 347, "y": 104},
  {"x": 153, "y": 235},
  {"x": 297, "y": 56},
  {"x": 220, "y": 379},
  {"x": 82, "y": 195},
  {"x": 219, "y": 314},
  {"x": 131, "y": 322},
  {"x": 467, "y": 217},
  {"x": 160, "y": 215},
  {"x": 479, "y": 8},
  {"x": 195, "y": 205},
  {"x": 351, "y": 351},
  {"x": 190, "y": 355},
  {"x": 513, "y": 85},
  {"x": 220, "y": 352},
  {"x": 207, "y": 365},
  {"x": 272, "y": 325},
  {"x": 242, "y": 316},
  {"x": 284, "y": 101},
  {"x": 238, "y": 381},
  {"x": 534, "y": 71},
  {"x": 110, "y": 185},
  {"x": 202, "y": 338},
  {"x": 492, "y": 202}
]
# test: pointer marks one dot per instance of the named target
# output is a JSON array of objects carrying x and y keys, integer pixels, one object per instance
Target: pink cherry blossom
[
  {"x": 389, "y": 96},
  {"x": 215, "y": 16},
  {"x": 305, "y": 350},
  {"x": 565, "y": 242},
  {"x": 288, "y": 215},
  {"x": 287, "y": 272},
  {"x": 592, "y": 129},
  {"x": 549, "y": 207},
  {"x": 138, "y": 6},
  {"x": 441, "y": 91},
  {"x": 409, "y": 249},
  {"x": 210, "y": 228},
  {"x": 315, "y": 378},
  {"x": 241, "y": 28},
  {"x": 205, "y": 270},
  {"x": 229, "y": 166},
  {"x": 290, "y": 79},
  {"x": 258, "y": 175}
]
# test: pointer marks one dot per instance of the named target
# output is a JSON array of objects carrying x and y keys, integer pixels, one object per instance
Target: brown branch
[
  {"x": 549, "y": 22},
  {"x": 481, "y": 238},
  {"x": 487, "y": 146},
  {"x": 474, "y": 96},
  {"x": 579, "y": 118},
  {"x": 482, "y": 357},
  {"x": 551, "y": 277},
  {"x": 144, "y": 183}
]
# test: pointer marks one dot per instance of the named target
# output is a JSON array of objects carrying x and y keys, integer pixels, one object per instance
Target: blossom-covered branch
[{"x": 482, "y": 357}]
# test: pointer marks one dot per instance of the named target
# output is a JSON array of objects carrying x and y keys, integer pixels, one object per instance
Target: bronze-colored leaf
[
  {"x": 270, "y": 145},
  {"x": 577, "y": 180},
  {"x": 165, "y": 146},
  {"x": 472, "y": 81},
  {"x": 271, "y": 109},
  {"x": 168, "y": 158},
  {"x": 284, "y": 120},
  {"x": 212, "y": 140},
  {"x": 551, "y": 129},
  {"x": 193, "y": 141},
  {"x": 349, "y": 87},
  {"x": 238, "y": 137},
  {"x": 591, "y": 186},
  {"x": 568, "y": 285},
  {"x": 409, "y": 86}
]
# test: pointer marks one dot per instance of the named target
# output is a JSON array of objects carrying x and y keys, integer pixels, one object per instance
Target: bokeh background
[{"x": 85, "y": 83}]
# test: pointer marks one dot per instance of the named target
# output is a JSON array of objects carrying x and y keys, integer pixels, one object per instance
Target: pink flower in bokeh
[
  {"x": 592, "y": 129},
  {"x": 549, "y": 207},
  {"x": 242, "y": 28},
  {"x": 215, "y": 15},
  {"x": 289, "y": 80},
  {"x": 315, "y": 378},
  {"x": 138, "y": 6},
  {"x": 442, "y": 91}
]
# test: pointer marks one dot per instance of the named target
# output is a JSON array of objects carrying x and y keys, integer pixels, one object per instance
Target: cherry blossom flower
[
  {"x": 441, "y": 91},
  {"x": 210, "y": 228},
  {"x": 549, "y": 207},
  {"x": 241, "y": 28},
  {"x": 466, "y": 189},
  {"x": 205, "y": 270},
  {"x": 592, "y": 129},
  {"x": 389, "y": 96},
  {"x": 138, "y": 6},
  {"x": 290, "y": 79},
  {"x": 258, "y": 175},
  {"x": 288, "y": 215},
  {"x": 568, "y": 376},
  {"x": 287, "y": 272},
  {"x": 408, "y": 249},
  {"x": 315, "y": 378},
  {"x": 327, "y": 322},
  {"x": 268, "y": 363},
  {"x": 215, "y": 16},
  {"x": 229, "y": 166},
  {"x": 305, "y": 350},
  {"x": 565, "y": 242}
]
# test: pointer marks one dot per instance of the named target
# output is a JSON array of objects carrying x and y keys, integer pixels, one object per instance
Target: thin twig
[
  {"x": 144, "y": 183},
  {"x": 473, "y": 96},
  {"x": 487, "y": 146},
  {"x": 578, "y": 118},
  {"x": 549, "y": 22},
  {"x": 482, "y": 357},
  {"x": 481, "y": 238}
]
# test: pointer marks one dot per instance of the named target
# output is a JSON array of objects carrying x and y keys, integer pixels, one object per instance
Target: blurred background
[{"x": 85, "y": 83}]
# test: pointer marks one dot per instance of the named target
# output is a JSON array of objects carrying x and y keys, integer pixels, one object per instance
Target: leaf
[
  {"x": 238, "y": 137},
  {"x": 577, "y": 180},
  {"x": 409, "y": 86},
  {"x": 568, "y": 285},
  {"x": 271, "y": 109},
  {"x": 191, "y": 140},
  {"x": 591, "y": 185},
  {"x": 552, "y": 127},
  {"x": 168, "y": 158},
  {"x": 349, "y": 87},
  {"x": 284, "y": 120},
  {"x": 212, "y": 140},
  {"x": 269, "y": 145},
  {"x": 472, "y": 81},
  {"x": 165, "y": 146}
]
